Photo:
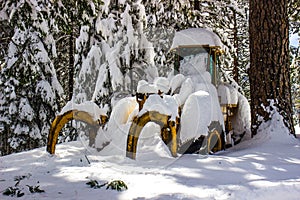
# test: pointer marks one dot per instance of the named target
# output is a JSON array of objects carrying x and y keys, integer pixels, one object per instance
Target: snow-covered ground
[{"x": 265, "y": 167}]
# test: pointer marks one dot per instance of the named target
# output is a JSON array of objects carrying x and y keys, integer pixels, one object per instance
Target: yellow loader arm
[
  {"x": 168, "y": 132},
  {"x": 61, "y": 120}
]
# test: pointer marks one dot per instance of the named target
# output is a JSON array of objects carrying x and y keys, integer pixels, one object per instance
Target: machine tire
[
  {"x": 213, "y": 142},
  {"x": 215, "y": 138}
]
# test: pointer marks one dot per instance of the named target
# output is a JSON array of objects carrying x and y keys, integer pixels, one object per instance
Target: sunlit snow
[{"x": 266, "y": 167}]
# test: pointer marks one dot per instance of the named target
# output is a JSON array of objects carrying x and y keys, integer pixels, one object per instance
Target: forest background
[{"x": 53, "y": 51}]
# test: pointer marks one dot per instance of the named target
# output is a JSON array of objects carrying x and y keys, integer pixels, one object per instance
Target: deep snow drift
[{"x": 265, "y": 167}]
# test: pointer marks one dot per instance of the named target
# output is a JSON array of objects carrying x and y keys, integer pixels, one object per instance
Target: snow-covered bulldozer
[{"x": 196, "y": 112}]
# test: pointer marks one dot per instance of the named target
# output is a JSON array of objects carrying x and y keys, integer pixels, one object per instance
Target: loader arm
[
  {"x": 61, "y": 120},
  {"x": 169, "y": 137}
]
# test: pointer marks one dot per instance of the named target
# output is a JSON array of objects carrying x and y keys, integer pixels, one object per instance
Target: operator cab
[
  {"x": 197, "y": 53},
  {"x": 202, "y": 47}
]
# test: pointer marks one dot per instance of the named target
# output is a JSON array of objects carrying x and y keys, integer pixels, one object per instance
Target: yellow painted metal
[
  {"x": 103, "y": 120},
  {"x": 172, "y": 126},
  {"x": 141, "y": 99},
  {"x": 228, "y": 111},
  {"x": 139, "y": 123},
  {"x": 61, "y": 120},
  {"x": 214, "y": 146}
]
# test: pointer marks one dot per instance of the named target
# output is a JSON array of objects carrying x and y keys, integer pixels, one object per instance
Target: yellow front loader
[{"x": 186, "y": 44}]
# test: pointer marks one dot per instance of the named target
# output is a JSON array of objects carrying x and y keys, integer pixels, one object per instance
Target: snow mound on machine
[
  {"x": 228, "y": 94},
  {"x": 241, "y": 121},
  {"x": 114, "y": 137},
  {"x": 161, "y": 84},
  {"x": 111, "y": 141},
  {"x": 166, "y": 105},
  {"x": 198, "y": 112},
  {"x": 87, "y": 106}
]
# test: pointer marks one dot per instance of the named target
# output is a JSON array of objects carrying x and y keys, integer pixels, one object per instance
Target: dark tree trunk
[
  {"x": 269, "y": 57},
  {"x": 71, "y": 62},
  {"x": 236, "y": 46}
]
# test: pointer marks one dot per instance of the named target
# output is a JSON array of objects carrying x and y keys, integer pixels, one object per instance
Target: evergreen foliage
[
  {"x": 116, "y": 45},
  {"x": 29, "y": 87},
  {"x": 113, "y": 185},
  {"x": 18, "y": 190},
  {"x": 105, "y": 47},
  {"x": 294, "y": 18}
]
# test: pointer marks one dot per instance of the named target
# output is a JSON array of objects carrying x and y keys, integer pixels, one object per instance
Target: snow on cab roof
[{"x": 195, "y": 37}]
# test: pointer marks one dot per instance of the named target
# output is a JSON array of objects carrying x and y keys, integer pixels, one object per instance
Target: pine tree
[
  {"x": 295, "y": 82},
  {"x": 29, "y": 87},
  {"x": 242, "y": 55},
  {"x": 294, "y": 16},
  {"x": 117, "y": 51},
  {"x": 164, "y": 18},
  {"x": 294, "y": 21},
  {"x": 5, "y": 36},
  {"x": 69, "y": 17},
  {"x": 269, "y": 71}
]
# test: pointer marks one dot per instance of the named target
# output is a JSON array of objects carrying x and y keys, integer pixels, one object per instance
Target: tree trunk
[
  {"x": 236, "y": 46},
  {"x": 269, "y": 57},
  {"x": 71, "y": 62}
]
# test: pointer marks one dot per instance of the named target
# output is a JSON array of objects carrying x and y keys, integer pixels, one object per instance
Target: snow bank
[
  {"x": 274, "y": 132},
  {"x": 271, "y": 135},
  {"x": 257, "y": 172},
  {"x": 297, "y": 130},
  {"x": 112, "y": 142}
]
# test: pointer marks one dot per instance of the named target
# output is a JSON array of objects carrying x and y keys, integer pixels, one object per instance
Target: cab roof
[{"x": 195, "y": 37}]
